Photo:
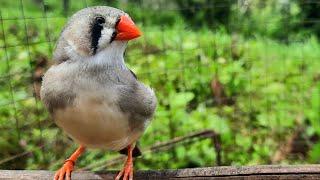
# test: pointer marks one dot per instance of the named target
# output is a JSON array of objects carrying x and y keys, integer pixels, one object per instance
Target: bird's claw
[
  {"x": 126, "y": 172},
  {"x": 65, "y": 171}
]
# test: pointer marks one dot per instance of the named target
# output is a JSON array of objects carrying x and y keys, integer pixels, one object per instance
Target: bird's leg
[
  {"x": 68, "y": 165},
  {"x": 127, "y": 171}
]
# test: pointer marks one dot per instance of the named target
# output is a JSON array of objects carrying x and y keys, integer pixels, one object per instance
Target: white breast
[
  {"x": 94, "y": 119},
  {"x": 96, "y": 123}
]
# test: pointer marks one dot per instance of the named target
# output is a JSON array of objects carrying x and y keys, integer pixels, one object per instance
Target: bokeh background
[{"x": 237, "y": 82}]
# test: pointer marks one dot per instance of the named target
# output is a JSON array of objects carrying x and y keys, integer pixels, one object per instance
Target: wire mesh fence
[{"x": 260, "y": 95}]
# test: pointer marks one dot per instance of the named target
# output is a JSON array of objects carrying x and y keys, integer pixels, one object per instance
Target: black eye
[{"x": 100, "y": 20}]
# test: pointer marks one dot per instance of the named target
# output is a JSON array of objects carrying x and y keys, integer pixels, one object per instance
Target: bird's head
[{"x": 93, "y": 30}]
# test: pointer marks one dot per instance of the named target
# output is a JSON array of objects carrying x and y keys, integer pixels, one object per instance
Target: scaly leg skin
[
  {"x": 68, "y": 165},
  {"x": 127, "y": 171}
]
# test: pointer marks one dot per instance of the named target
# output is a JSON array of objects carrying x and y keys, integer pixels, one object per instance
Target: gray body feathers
[
  {"x": 92, "y": 95},
  {"x": 102, "y": 84}
]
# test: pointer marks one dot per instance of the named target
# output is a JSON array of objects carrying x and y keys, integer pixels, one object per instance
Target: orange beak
[{"x": 126, "y": 29}]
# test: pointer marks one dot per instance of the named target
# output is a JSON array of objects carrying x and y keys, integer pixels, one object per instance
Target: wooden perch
[{"x": 304, "y": 172}]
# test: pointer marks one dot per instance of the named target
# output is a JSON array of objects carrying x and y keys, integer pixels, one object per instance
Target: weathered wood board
[{"x": 304, "y": 172}]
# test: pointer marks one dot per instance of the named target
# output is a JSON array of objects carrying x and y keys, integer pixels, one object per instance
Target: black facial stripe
[
  {"x": 118, "y": 20},
  {"x": 113, "y": 36},
  {"x": 96, "y": 33}
]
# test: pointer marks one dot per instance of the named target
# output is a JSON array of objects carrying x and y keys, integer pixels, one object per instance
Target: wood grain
[{"x": 276, "y": 172}]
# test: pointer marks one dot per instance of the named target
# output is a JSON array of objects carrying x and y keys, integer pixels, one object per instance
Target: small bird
[{"x": 90, "y": 92}]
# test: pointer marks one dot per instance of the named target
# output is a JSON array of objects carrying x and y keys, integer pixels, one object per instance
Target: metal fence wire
[{"x": 217, "y": 76}]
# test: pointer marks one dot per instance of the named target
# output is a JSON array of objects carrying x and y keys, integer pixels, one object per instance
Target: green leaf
[
  {"x": 314, "y": 153},
  {"x": 180, "y": 99}
]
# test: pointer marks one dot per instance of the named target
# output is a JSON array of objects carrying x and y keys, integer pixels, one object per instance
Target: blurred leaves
[
  {"x": 257, "y": 54},
  {"x": 313, "y": 113}
]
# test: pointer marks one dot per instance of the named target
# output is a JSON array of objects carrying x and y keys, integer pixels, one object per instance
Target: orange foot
[
  {"x": 68, "y": 165},
  {"x": 127, "y": 171},
  {"x": 65, "y": 171}
]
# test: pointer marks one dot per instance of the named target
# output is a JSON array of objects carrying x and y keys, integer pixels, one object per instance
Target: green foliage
[
  {"x": 309, "y": 15},
  {"x": 269, "y": 18},
  {"x": 313, "y": 112},
  {"x": 270, "y": 89},
  {"x": 205, "y": 12}
]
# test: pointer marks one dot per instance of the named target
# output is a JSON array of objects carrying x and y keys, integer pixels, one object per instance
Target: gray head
[{"x": 94, "y": 29}]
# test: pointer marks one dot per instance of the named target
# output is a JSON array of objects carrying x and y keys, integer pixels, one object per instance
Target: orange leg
[
  {"x": 127, "y": 171},
  {"x": 68, "y": 165}
]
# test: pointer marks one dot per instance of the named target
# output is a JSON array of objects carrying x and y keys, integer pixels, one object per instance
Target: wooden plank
[{"x": 224, "y": 172}]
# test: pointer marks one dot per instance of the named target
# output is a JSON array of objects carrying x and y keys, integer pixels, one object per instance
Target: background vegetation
[{"x": 247, "y": 69}]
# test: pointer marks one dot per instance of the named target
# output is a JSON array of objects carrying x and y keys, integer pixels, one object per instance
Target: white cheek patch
[{"x": 105, "y": 38}]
